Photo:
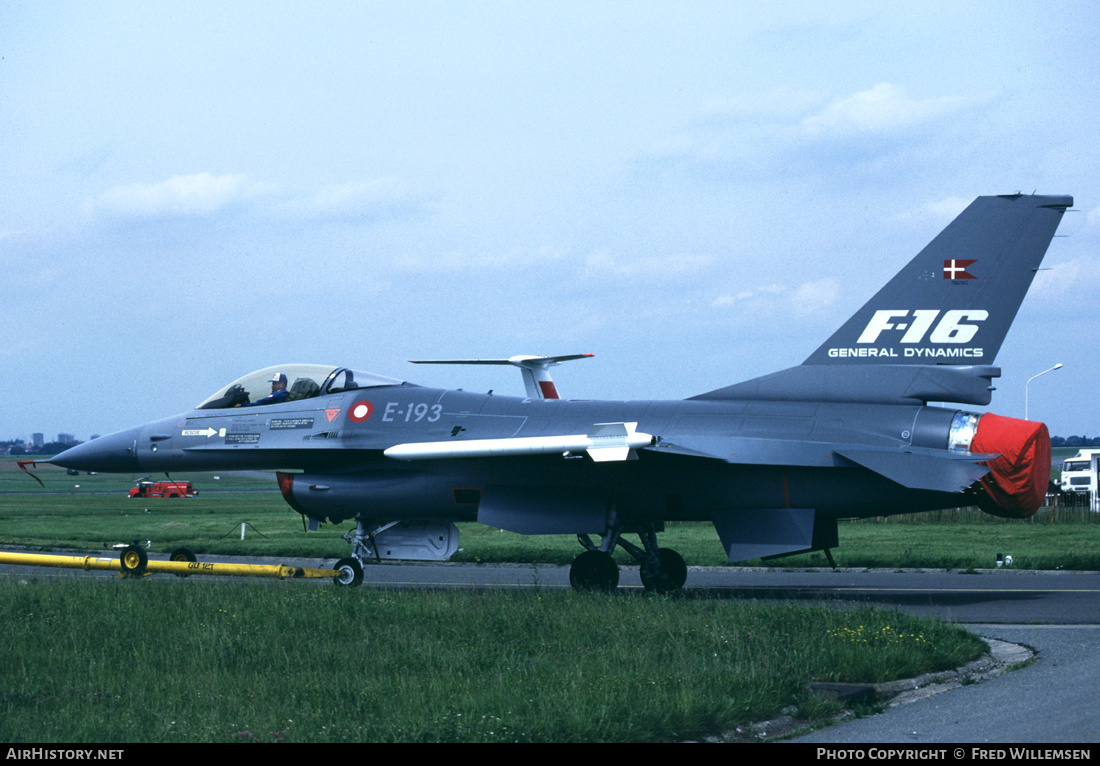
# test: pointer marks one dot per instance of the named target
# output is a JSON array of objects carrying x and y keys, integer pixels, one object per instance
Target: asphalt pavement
[{"x": 1051, "y": 700}]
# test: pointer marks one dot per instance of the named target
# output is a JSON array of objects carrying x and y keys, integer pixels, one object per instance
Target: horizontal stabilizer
[
  {"x": 935, "y": 471},
  {"x": 869, "y": 384},
  {"x": 604, "y": 442}
]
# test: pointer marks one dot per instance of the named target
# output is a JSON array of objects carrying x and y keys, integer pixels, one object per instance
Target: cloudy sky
[{"x": 697, "y": 193}]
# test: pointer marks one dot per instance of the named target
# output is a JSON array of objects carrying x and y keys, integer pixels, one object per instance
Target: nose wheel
[{"x": 349, "y": 573}]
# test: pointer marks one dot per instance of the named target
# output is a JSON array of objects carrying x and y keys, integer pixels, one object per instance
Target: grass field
[{"x": 145, "y": 661}]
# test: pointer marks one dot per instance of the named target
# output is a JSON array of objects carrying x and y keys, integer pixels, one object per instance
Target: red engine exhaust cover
[{"x": 1017, "y": 484}]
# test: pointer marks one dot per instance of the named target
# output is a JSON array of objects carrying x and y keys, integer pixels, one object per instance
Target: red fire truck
[{"x": 163, "y": 489}]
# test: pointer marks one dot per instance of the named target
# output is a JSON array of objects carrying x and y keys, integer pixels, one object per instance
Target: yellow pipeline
[
  {"x": 69, "y": 562},
  {"x": 172, "y": 567},
  {"x": 281, "y": 571}
]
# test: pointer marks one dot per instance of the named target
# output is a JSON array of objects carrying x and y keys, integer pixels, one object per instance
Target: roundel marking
[{"x": 360, "y": 411}]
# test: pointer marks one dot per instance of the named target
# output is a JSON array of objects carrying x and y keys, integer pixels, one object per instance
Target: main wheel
[
  {"x": 133, "y": 560},
  {"x": 594, "y": 570},
  {"x": 672, "y": 576},
  {"x": 349, "y": 573}
]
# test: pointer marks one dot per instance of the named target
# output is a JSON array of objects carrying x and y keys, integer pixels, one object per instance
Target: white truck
[{"x": 1077, "y": 471}]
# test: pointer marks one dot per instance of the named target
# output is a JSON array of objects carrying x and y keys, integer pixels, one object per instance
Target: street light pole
[{"x": 1033, "y": 377}]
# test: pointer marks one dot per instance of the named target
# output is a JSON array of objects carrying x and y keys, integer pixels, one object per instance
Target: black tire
[
  {"x": 673, "y": 573},
  {"x": 594, "y": 571},
  {"x": 133, "y": 560},
  {"x": 182, "y": 554},
  {"x": 349, "y": 573}
]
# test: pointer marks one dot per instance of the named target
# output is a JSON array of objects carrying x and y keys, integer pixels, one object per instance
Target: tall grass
[{"x": 147, "y": 661}]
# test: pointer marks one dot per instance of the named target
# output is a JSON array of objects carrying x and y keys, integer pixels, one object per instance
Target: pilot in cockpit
[{"x": 278, "y": 392}]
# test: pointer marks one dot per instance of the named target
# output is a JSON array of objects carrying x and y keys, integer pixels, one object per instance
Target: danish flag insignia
[{"x": 956, "y": 269}]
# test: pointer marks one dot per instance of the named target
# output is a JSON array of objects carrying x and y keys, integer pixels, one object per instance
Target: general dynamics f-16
[{"x": 772, "y": 462}]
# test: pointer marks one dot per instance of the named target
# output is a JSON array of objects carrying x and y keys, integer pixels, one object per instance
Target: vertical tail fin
[
  {"x": 932, "y": 333},
  {"x": 954, "y": 302}
]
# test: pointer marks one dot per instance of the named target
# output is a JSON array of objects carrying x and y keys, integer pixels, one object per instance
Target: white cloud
[
  {"x": 198, "y": 194},
  {"x": 374, "y": 198},
  {"x": 810, "y": 297},
  {"x": 603, "y": 263},
  {"x": 941, "y": 210},
  {"x": 784, "y": 104},
  {"x": 802, "y": 133},
  {"x": 1078, "y": 276},
  {"x": 202, "y": 195},
  {"x": 885, "y": 107},
  {"x": 463, "y": 260},
  {"x": 806, "y": 298},
  {"x": 1093, "y": 217}
]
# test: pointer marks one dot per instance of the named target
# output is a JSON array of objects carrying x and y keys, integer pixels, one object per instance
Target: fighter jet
[{"x": 772, "y": 462}]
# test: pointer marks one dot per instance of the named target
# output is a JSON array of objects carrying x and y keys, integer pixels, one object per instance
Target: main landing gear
[{"x": 662, "y": 569}]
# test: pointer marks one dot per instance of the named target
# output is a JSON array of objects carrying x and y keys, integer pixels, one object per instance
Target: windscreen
[
  {"x": 291, "y": 383},
  {"x": 300, "y": 381}
]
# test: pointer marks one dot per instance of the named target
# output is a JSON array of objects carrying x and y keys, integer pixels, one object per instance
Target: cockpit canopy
[{"x": 303, "y": 381}]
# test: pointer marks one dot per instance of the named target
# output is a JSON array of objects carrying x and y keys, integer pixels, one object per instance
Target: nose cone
[{"x": 116, "y": 453}]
